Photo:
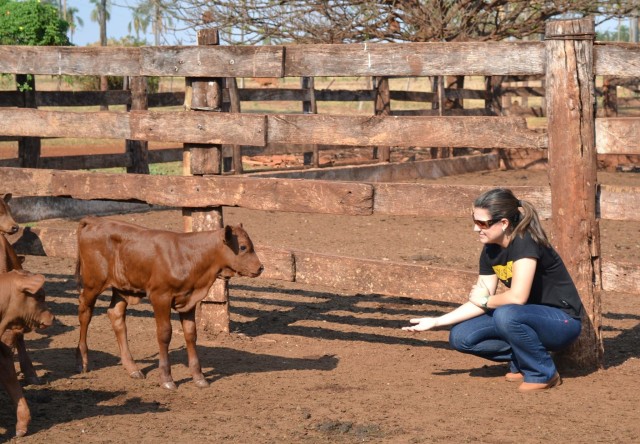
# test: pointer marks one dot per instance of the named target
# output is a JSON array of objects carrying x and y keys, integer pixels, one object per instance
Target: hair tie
[{"x": 520, "y": 203}]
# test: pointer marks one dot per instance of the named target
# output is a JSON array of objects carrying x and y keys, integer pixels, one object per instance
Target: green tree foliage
[{"x": 31, "y": 22}]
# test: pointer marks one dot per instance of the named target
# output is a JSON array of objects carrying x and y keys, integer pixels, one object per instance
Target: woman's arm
[
  {"x": 521, "y": 281},
  {"x": 462, "y": 313}
]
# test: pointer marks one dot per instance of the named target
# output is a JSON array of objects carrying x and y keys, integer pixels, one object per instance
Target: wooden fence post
[
  {"x": 234, "y": 107},
  {"x": 138, "y": 150},
  {"x": 570, "y": 98},
  {"x": 309, "y": 106},
  {"x": 382, "y": 107},
  {"x": 205, "y": 95},
  {"x": 29, "y": 148}
]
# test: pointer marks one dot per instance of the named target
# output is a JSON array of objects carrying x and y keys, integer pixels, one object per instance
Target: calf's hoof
[
  {"x": 32, "y": 380},
  {"x": 201, "y": 383},
  {"x": 169, "y": 385},
  {"x": 20, "y": 433},
  {"x": 137, "y": 375}
]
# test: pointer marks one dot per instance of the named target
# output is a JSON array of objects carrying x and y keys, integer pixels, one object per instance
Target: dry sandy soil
[{"x": 310, "y": 365}]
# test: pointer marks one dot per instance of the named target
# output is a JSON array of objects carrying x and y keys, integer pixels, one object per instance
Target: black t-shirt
[{"x": 552, "y": 284}]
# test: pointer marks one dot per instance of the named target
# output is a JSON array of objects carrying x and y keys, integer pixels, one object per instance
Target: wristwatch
[{"x": 485, "y": 301}]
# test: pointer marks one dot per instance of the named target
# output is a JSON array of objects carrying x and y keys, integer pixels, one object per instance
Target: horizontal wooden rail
[
  {"x": 618, "y": 135},
  {"x": 193, "y": 191},
  {"x": 295, "y": 195},
  {"x": 358, "y": 59},
  {"x": 259, "y": 129},
  {"x": 192, "y": 61},
  {"x": 182, "y": 126},
  {"x": 337, "y": 272},
  {"x": 616, "y": 59}
]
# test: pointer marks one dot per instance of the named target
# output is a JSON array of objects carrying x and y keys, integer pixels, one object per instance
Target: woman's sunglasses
[{"x": 484, "y": 224}]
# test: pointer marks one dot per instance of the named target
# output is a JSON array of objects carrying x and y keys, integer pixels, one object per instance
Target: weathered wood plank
[
  {"x": 191, "y": 127},
  {"x": 415, "y": 59},
  {"x": 382, "y": 277},
  {"x": 85, "y": 162},
  {"x": 623, "y": 277},
  {"x": 212, "y": 61},
  {"x": 619, "y": 202},
  {"x": 199, "y": 127},
  {"x": 193, "y": 61},
  {"x": 195, "y": 192},
  {"x": 446, "y": 200},
  {"x": 616, "y": 59},
  {"x": 38, "y": 123},
  {"x": 82, "y": 98},
  {"x": 72, "y": 60},
  {"x": 618, "y": 135},
  {"x": 394, "y": 172},
  {"x": 470, "y": 132}
]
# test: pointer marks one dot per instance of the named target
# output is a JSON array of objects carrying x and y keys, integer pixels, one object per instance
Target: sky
[{"x": 117, "y": 27}]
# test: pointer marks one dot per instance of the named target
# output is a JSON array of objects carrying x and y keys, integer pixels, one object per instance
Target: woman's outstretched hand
[{"x": 422, "y": 324}]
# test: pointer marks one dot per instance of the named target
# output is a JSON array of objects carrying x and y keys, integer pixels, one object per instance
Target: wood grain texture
[
  {"x": 415, "y": 59},
  {"x": 469, "y": 132},
  {"x": 195, "y": 192},
  {"x": 618, "y": 135}
]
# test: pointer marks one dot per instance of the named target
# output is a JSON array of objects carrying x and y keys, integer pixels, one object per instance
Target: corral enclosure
[{"x": 374, "y": 191}]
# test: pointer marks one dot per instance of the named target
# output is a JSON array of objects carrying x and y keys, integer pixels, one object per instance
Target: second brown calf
[
  {"x": 9, "y": 260},
  {"x": 174, "y": 270}
]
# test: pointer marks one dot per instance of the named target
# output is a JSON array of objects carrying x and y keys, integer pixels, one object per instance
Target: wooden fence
[{"x": 568, "y": 59}]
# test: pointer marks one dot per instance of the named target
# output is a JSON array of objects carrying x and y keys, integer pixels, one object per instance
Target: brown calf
[
  {"x": 22, "y": 308},
  {"x": 9, "y": 260},
  {"x": 175, "y": 270}
]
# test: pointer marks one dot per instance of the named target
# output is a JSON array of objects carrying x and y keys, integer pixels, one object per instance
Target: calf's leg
[
  {"x": 162, "y": 314},
  {"x": 118, "y": 315},
  {"x": 9, "y": 380},
  {"x": 188, "y": 321},
  {"x": 86, "y": 302},
  {"x": 26, "y": 366}
]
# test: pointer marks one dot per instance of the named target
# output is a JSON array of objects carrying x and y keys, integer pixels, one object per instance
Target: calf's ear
[
  {"x": 7, "y": 197},
  {"x": 32, "y": 283},
  {"x": 228, "y": 234}
]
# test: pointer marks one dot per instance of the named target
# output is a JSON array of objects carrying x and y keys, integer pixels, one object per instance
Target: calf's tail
[{"x": 78, "y": 273}]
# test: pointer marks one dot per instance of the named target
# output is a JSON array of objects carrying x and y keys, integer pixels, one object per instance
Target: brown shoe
[
  {"x": 535, "y": 386},
  {"x": 514, "y": 377}
]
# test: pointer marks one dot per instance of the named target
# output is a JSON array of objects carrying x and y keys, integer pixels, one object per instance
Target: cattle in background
[
  {"x": 22, "y": 308},
  {"x": 9, "y": 260},
  {"x": 174, "y": 270}
]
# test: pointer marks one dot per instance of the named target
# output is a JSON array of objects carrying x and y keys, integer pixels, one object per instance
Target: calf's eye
[{"x": 243, "y": 248}]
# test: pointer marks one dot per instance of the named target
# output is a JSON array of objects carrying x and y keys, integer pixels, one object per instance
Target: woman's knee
[
  {"x": 458, "y": 339},
  {"x": 506, "y": 316}
]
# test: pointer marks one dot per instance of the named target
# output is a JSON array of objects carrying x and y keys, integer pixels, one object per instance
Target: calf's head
[
  {"x": 7, "y": 224},
  {"x": 22, "y": 300},
  {"x": 238, "y": 254}
]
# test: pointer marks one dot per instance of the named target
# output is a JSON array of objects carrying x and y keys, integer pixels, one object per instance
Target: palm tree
[
  {"x": 101, "y": 15},
  {"x": 74, "y": 20},
  {"x": 154, "y": 12}
]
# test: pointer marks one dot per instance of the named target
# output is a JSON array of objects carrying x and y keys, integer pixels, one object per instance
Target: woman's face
[{"x": 490, "y": 231}]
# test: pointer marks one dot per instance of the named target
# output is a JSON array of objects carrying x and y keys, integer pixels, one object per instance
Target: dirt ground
[{"x": 312, "y": 365}]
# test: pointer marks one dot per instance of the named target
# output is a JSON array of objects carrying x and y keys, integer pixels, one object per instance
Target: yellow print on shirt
[{"x": 504, "y": 272}]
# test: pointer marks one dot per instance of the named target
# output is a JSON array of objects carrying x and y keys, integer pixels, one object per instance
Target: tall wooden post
[
  {"x": 570, "y": 98},
  {"x": 382, "y": 107},
  {"x": 29, "y": 148},
  {"x": 205, "y": 95},
  {"x": 234, "y": 107},
  {"x": 138, "y": 150},
  {"x": 309, "y": 106}
]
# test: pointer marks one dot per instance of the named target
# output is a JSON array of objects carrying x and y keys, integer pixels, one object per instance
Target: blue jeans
[{"x": 520, "y": 334}]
